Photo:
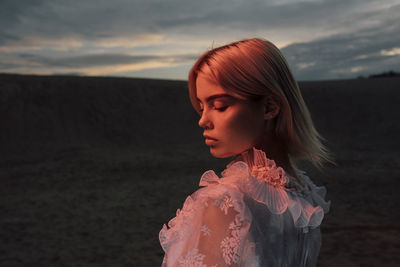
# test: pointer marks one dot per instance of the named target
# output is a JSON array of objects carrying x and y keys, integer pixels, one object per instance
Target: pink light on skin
[
  {"x": 235, "y": 123},
  {"x": 210, "y": 141}
]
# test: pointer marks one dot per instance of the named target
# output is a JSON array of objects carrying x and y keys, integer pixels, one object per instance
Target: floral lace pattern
[
  {"x": 225, "y": 203},
  {"x": 192, "y": 259},
  {"x": 230, "y": 245},
  {"x": 222, "y": 237},
  {"x": 205, "y": 230}
]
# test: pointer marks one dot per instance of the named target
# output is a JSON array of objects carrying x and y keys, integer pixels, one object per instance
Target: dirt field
[{"x": 91, "y": 168}]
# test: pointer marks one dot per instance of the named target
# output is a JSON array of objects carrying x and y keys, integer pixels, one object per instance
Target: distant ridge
[
  {"x": 40, "y": 113},
  {"x": 78, "y": 75},
  {"x": 49, "y": 112},
  {"x": 385, "y": 74}
]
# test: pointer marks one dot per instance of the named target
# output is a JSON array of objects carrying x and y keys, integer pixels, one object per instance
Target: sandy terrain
[{"x": 91, "y": 168}]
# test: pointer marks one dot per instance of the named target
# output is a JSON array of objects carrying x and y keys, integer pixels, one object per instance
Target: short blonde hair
[{"x": 255, "y": 68}]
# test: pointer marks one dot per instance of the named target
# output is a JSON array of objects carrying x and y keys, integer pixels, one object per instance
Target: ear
[{"x": 271, "y": 107}]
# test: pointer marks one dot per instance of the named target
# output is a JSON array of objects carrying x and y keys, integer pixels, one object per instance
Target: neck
[{"x": 276, "y": 150}]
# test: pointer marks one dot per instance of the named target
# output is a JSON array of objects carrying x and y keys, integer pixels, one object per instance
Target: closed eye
[
  {"x": 219, "y": 109},
  {"x": 222, "y": 109}
]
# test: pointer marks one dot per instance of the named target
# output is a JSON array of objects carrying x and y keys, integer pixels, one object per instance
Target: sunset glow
[{"x": 156, "y": 39}]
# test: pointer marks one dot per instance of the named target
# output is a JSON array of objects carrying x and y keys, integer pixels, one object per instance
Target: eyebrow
[{"x": 208, "y": 99}]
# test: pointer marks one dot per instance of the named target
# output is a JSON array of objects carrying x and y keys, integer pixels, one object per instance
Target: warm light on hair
[{"x": 255, "y": 68}]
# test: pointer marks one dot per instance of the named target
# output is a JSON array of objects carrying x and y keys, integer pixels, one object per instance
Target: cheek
[{"x": 246, "y": 126}]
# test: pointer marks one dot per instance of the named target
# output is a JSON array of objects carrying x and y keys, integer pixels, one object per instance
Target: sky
[{"x": 321, "y": 39}]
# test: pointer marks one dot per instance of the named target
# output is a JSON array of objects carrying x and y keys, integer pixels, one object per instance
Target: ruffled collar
[
  {"x": 266, "y": 170},
  {"x": 260, "y": 178}
]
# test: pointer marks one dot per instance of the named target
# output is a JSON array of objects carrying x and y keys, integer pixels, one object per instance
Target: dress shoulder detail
[
  {"x": 218, "y": 208},
  {"x": 259, "y": 178},
  {"x": 246, "y": 216}
]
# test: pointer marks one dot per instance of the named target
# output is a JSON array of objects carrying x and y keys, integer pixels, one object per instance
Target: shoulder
[
  {"x": 313, "y": 193},
  {"x": 216, "y": 204},
  {"x": 273, "y": 188}
]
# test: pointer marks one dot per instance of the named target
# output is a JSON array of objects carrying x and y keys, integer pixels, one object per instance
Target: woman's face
[{"x": 232, "y": 123}]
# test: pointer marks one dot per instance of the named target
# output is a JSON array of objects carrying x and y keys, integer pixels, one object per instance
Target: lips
[
  {"x": 209, "y": 140},
  {"x": 209, "y": 137}
]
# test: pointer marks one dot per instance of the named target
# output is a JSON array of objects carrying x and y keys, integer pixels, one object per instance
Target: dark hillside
[
  {"x": 360, "y": 113},
  {"x": 47, "y": 112},
  {"x": 91, "y": 168},
  {"x": 50, "y": 112}
]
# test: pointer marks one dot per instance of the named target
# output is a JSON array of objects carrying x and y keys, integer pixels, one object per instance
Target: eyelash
[{"x": 219, "y": 109}]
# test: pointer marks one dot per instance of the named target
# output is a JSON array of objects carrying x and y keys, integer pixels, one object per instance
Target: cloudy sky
[{"x": 321, "y": 39}]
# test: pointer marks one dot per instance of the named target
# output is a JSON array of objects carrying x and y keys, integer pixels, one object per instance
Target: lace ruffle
[
  {"x": 183, "y": 225},
  {"x": 267, "y": 184},
  {"x": 179, "y": 226},
  {"x": 256, "y": 177}
]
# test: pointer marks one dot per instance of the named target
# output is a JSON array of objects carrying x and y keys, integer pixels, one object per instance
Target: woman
[{"x": 263, "y": 211}]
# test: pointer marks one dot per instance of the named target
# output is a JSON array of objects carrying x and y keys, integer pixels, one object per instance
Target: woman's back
[{"x": 254, "y": 215}]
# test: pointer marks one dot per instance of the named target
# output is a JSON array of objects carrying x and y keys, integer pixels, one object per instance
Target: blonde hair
[{"x": 255, "y": 68}]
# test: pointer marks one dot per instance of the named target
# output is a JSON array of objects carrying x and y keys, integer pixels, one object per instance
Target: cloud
[
  {"x": 321, "y": 38},
  {"x": 106, "y": 59},
  {"x": 95, "y": 64},
  {"x": 371, "y": 50},
  {"x": 102, "y": 20},
  {"x": 391, "y": 52}
]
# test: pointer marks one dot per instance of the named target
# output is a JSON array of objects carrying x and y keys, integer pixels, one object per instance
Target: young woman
[{"x": 263, "y": 210}]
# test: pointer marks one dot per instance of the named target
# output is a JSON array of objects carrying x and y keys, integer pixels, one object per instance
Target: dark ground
[{"x": 91, "y": 168}]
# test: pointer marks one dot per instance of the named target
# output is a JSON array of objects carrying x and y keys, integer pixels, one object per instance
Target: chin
[{"x": 220, "y": 153}]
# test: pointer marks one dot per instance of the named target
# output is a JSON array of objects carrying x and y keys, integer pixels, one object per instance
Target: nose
[{"x": 205, "y": 121}]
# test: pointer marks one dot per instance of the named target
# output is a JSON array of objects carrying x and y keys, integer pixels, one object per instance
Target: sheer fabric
[{"x": 254, "y": 215}]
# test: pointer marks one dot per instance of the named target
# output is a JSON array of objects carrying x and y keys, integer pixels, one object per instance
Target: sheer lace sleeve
[
  {"x": 220, "y": 240},
  {"x": 251, "y": 216},
  {"x": 214, "y": 234}
]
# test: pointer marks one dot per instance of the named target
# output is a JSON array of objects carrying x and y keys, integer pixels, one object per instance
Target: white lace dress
[{"x": 254, "y": 215}]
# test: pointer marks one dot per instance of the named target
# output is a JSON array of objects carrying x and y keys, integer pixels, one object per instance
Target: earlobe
[
  {"x": 271, "y": 109},
  {"x": 271, "y": 115},
  {"x": 268, "y": 116}
]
